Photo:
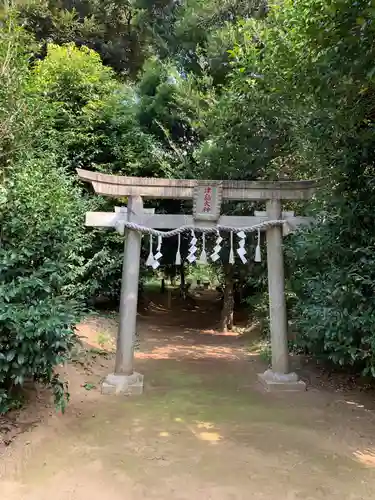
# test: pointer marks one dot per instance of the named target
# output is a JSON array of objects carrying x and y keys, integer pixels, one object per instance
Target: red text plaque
[{"x": 207, "y": 200}]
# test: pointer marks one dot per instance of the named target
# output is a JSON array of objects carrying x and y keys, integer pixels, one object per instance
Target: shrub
[{"x": 41, "y": 238}]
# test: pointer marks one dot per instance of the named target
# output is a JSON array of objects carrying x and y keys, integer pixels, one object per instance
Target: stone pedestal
[
  {"x": 281, "y": 382},
  {"x": 126, "y": 385}
]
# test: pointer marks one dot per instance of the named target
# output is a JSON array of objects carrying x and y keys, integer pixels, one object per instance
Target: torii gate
[{"x": 207, "y": 196}]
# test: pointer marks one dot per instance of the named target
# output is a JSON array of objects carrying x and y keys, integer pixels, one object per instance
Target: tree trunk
[
  {"x": 141, "y": 295},
  {"x": 240, "y": 293},
  {"x": 182, "y": 276},
  {"x": 182, "y": 282},
  {"x": 228, "y": 302},
  {"x": 162, "y": 287}
]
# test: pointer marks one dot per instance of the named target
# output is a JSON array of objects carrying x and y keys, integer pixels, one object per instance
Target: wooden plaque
[{"x": 207, "y": 200}]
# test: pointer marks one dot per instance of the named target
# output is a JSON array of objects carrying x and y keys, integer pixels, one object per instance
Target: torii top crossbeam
[{"x": 118, "y": 186}]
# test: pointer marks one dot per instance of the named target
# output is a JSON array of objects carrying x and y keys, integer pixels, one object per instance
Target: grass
[{"x": 104, "y": 338}]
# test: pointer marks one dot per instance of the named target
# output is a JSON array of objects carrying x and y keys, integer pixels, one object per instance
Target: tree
[
  {"x": 196, "y": 34},
  {"x": 169, "y": 108},
  {"x": 17, "y": 113},
  {"x": 106, "y": 26},
  {"x": 315, "y": 62},
  {"x": 41, "y": 234},
  {"x": 95, "y": 116}
]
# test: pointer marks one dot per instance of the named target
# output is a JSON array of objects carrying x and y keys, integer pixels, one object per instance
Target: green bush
[
  {"x": 41, "y": 238},
  {"x": 333, "y": 279}
]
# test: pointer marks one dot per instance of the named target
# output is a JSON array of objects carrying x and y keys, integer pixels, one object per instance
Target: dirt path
[{"x": 202, "y": 430}]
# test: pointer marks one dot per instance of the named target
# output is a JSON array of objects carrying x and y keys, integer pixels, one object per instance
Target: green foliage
[
  {"x": 169, "y": 109},
  {"x": 40, "y": 241},
  {"x": 75, "y": 78},
  {"x": 245, "y": 137},
  {"x": 323, "y": 85},
  {"x": 78, "y": 87},
  {"x": 107, "y": 26},
  {"x": 41, "y": 214},
  {"x": 205, "y": 273},
  {"x": 94, "y": 124},
  {"x": 16, "y": 112},
  {"x": 94, "y": 116},
  {"x": 333, "y": 284},
  {"x": 195, "y": 33},
  {"x": 299, "y": 102}
]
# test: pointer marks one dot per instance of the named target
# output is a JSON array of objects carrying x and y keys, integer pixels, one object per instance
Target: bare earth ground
[{"x": 202, "y": 429}]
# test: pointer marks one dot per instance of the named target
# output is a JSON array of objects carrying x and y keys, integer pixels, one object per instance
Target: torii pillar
[
  {"x": 125, "y": 380},
  {"x": 279, "y": 377}
]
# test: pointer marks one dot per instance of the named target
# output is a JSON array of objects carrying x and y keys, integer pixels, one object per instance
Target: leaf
[
  {"x": 20, "y": 358},
  {"x": 10, "y": 355},
  {"x": 89, "y": 386}
]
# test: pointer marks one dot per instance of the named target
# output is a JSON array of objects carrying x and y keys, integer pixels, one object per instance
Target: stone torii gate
[{"x": 207, "y": 196}]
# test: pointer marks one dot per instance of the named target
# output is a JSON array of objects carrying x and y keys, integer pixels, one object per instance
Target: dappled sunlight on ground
[
  {"x": 98, "y": 333},
  {"x": 211, "y": 437},
  {"x": 216, "y": 333},
  {"x": 204, "y": 425},
  {"x": 360, "y": 405},
  {"x": 204, "y": 431},
  {"x": 353, "y": 403},
  {"x": 365, "y": 457},
  {"x": 181, "y": 351},
  {"x": 186, "y": 336}
]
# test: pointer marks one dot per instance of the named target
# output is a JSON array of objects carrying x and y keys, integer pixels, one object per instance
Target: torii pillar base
[
  {"x": 125, "y": 385},
  {"x": 281, "y": 382}
]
